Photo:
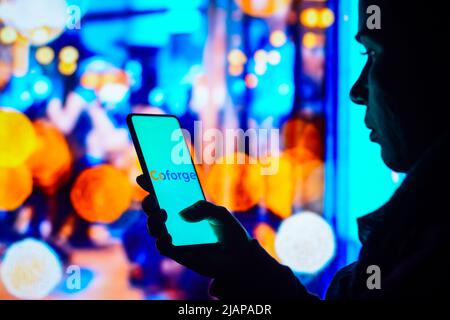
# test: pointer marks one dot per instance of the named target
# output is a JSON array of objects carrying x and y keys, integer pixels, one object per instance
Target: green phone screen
[{"x": 168, "y": 163}]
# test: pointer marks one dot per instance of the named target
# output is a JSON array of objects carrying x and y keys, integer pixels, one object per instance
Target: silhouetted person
[{"x": 404, "y": 86}]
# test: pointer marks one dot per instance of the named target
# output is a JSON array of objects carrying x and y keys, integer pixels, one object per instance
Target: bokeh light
[
  {"x": 45, "y": 55},
  {"x": 310, "y": 17},
  {"x": 67, "y": 69},
  {"x": 263, "y": 9},
  {"x": 8, "y": 35},
  {"x": 326, "y": 18},
  {"x": 42, "y": 87},
  {"x": 251, "y": 81},
  {"x": 90, "y": 80},
  {"x": 310, "y": 40},
  {"x": 274, "y": 57},
  {"x": 236, "y": 57},
  {"x": 305, "y": 242},
  {"x": 266, "y": 235},
  {"x": 51, "y": 162},
  {"x": 260, "y": 56},
  {"x": 235, "y": 69},
  {"x": 69, "y": 55},
  {"x": 16, "y": 185},
  {"x": 279, "y": 187},
  {"x": 277, "y": 38},
  {"x": 30, "y": 269},
  {"x": 14, "y": 151},
  {"x": 41, "y": 24},
  {"x": 101, "y": 194},
  {"x": 309, "y": 182},
  {"x": 236, "y": 186},
  {"x": 299, "y": 133}
]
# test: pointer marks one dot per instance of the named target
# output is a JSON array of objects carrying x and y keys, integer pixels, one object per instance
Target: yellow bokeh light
[
  {"x": 277, "y": 38},
  {"x": 17, "y": 138},
  {"x": 69, "y": 55},
  {"x": 67, "y": 69},
  {"x": 263, "y": 9},
  {"x": 40, "y": 36},
  {"x": 101, "y": 194},
  {"x": 260, "y": 56},
  {"x": 8, "y": 35},
  {"x": 326, "y": 18},
  {"x": 310, "y": 40},
  {"x": 310, "y": 18},
  {"x": 16, "y": 185},
  {"x": 45, "y": 55},
  {"x": 236, "y": 57}
]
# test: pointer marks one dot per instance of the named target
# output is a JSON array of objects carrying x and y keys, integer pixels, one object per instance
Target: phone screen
[{"x": 165, "y": 158}]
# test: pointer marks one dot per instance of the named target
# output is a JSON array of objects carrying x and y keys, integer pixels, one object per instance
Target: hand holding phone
[
  {"x": 211, "y": 260},
  {"x": 171, "y": 175}
]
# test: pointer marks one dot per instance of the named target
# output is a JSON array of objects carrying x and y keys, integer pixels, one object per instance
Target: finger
[
  {"x": 150, "y": 205},
  {"x": 165, "y": 246},
  {"x": 228, "y": 229},
  {"x": 204, "y": 210},
  {"x": 143, "y": 182},
  {"x": 156, "y": 227}
]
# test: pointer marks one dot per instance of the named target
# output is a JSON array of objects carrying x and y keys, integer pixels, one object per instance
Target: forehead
[{"x": 381, "y": 10}]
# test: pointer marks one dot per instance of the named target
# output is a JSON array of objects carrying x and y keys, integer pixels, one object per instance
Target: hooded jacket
[{"x": 408, "y": 239}]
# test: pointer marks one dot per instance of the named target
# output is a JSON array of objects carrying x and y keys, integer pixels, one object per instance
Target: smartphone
[{"x": 166, "y": 162}]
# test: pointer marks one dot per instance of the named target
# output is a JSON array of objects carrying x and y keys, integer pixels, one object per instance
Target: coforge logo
[{"x": 169, "y": 175}]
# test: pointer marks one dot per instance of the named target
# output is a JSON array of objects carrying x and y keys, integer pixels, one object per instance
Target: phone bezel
[{"x": 143, "y": 164}]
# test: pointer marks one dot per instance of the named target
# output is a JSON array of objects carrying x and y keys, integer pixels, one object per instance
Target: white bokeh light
[
  {"x": 305, "y": 242},
  {"x": 40, "y": 21},
  {"x": 30, "y": 269}
]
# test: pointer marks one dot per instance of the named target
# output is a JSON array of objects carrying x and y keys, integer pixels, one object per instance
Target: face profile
[{"x": 397, "y": 84}]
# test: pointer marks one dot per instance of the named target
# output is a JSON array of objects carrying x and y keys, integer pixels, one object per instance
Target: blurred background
[{"x": 71, "y": 226}]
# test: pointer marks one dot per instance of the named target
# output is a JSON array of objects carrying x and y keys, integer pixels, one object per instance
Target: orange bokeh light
[
  {"x": 236, "y": 57},
  {"x": 17, "y": 138},
  {"x": 310, "y": 17},
  {"x": 91, "y": 80},
  {"x": 309, "y": 182},
  {"x": 279, "y": 188},
  {"x": 101, "y": 194},
  {"x": 238, "y": 187},
  {"x": 16, "y": 185},
  {"x": 251, "y": 81},
  {"x": 257, "y": 8},
  {"x": 51, "y": 162},
  {"x": 265, "y": 235},
  {"x": 299, "y": 133}
]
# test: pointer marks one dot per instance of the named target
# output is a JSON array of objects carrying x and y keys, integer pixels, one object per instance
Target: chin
[{"x": 394, "y": 161}]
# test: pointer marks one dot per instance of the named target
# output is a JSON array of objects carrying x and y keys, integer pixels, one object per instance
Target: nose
[{"x": 360, "y": 91}]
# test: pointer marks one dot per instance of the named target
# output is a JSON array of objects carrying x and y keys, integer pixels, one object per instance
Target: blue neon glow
[
  {"x": 42, "y": 88},
  {"x": 156, "y": 97},
  {"x": 364, "y": 181}
]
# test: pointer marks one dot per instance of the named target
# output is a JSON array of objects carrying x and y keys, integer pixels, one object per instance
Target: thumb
[{"x": 227, "y": 228}]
